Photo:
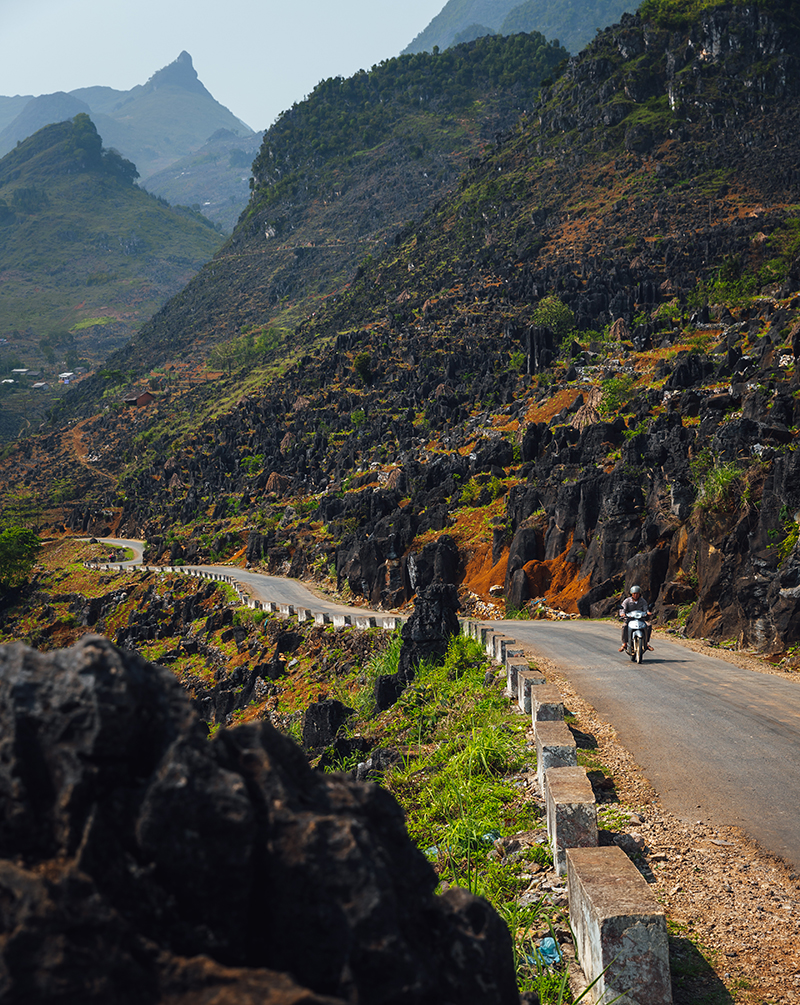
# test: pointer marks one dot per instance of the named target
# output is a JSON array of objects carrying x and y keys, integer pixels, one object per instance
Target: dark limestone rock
[
  {"x": 436, "y": 563},
  {"x": 425, "y": 635},
  {"x": 648, "y": 569},
  {"x": 518, "y": 591},
  {"x": 142, "y": 863},
  {"x": 526, "y": 546},
  {"x": 602, "y": 599},
  {"x": 322, "y": 721},
  {"x": 428, "y": 631}
]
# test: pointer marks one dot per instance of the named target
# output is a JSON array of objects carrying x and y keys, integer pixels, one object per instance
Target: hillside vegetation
[
  {"x": 86, "y": 257},
  {"x": 338, "y": 176},
  {"x": 577, "y": 369},
  {"x": 187, "y": 147}
]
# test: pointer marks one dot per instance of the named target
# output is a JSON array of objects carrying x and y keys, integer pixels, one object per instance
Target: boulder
[
  {"x": 322, "y": 721},
  {"x": 141, "y": 862}
]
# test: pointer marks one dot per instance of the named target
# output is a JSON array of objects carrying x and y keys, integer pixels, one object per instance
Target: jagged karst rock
[
  {"x": 426, "y": 635},
  {"x": 720, "y": 93},
  {"x": 322, "y": 721},
  {"x": 142, "y": 863}
]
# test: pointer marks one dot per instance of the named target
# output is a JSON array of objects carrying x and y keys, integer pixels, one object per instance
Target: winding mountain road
[
  {"x": 261, "y": 587},
  {"x": 719, "y": 743}
]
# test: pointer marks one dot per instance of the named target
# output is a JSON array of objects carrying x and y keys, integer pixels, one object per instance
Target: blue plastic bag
[{"x": 549, "y": 951}]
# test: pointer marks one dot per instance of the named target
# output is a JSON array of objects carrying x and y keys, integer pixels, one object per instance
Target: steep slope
[
  {"x": 85, "y": 257},
  {"x": 11, "y": 107},
  {"x": 572, "y": 22},
  {"x": 575, "y": 371},
  {"x": 337, "y": 176}
]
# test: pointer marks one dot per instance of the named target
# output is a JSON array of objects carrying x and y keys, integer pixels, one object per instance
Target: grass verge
[{"x": 463, "y": 773}]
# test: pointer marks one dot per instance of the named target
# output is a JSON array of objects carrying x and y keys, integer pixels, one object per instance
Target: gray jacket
[{"x": 629, "y": 604}]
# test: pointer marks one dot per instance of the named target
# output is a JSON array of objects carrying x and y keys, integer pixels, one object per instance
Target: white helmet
[{"x": 635, "y": 589}]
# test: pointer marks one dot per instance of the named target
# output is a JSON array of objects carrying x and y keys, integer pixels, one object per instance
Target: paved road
[
  {"x": 718, "y": 743},
  {"x": 278, "y": 589}
]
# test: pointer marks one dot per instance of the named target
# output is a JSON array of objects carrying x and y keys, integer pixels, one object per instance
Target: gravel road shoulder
[{"x": 733, "y": 910}]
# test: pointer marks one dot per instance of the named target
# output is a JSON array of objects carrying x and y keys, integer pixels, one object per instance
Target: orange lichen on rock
[
  {"x": 566, "y": 588},
  {"x": 556, "y": 579},
  {"x": 548, "y": 409}
]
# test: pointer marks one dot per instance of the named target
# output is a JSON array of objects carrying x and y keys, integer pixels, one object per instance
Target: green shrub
[
  {"x": 720, "y": 487},
  {"x": 19, "y": 548},
  {"x": 552, "y": 313},
  {"x": 615, "y": 393},
  {"x": 362, "y": 364}
]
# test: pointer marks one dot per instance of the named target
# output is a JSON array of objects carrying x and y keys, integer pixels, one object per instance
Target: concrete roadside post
[
  {"x": 513, "y": 666},
  {"x": 547, "y": 704},
  {"x": 571, "y": 812},
  {"x": 555, "y": 748},
  {"x": 527, "y": 680},
  {"x": 620, "y": 928},
  {"x": 510, "y": 648}
]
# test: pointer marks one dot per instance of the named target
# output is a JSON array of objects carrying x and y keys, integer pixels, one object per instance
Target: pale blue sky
[{"x": 256, "y": 57}]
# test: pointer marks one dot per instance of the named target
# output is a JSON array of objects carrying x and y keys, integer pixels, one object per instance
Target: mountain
[
  {"x": 85, "y": 255},
  {"x": 155, "y": 125},
  {"x": 576, "y": 370},
  {"x": 214, "y": 180},
  {"x": 11, "y": 107},
  {"x": 337, "y": 176},
  {"x": 571, "y": 22}
]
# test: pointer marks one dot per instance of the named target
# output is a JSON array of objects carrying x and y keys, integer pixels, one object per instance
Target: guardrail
[{"x": 388, "y": 623}]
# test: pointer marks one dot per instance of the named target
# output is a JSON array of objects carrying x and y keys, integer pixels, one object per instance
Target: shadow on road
[{"x": 654, "y": 661}]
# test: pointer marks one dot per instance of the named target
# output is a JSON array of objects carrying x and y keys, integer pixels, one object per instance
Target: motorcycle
[{"x": 637, "y": 635}]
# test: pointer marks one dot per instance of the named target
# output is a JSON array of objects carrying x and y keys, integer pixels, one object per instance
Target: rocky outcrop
[
  {"x": 654, "y": 172},
  {"x": 426, "y": 635},
  {"x": 142, "y": 863}
]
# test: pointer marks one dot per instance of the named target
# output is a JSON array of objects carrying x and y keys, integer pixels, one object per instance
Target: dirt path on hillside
[{"x": 80, "y": 451}]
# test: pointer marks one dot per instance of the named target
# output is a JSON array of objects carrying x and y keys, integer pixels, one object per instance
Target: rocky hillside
[
  {"x": 144, "y": 864},
  {"x": 336, "y": 178},
  {"x": 578, "y": 370}
]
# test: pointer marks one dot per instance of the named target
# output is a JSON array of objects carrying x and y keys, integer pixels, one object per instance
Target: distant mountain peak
[{"x": 179, "y": 73}]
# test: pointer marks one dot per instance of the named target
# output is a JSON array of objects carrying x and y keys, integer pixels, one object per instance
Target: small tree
[
  {"x": 552, "y": 313},
  {"x": 18, "y": 550},
  {"x": 362, "y": 365}
]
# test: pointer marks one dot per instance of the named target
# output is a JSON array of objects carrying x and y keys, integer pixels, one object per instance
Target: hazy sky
[{"x": 256, "y": 57}]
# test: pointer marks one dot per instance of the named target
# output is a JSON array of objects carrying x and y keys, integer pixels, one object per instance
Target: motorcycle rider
[{"x": 635, "y": 602}]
